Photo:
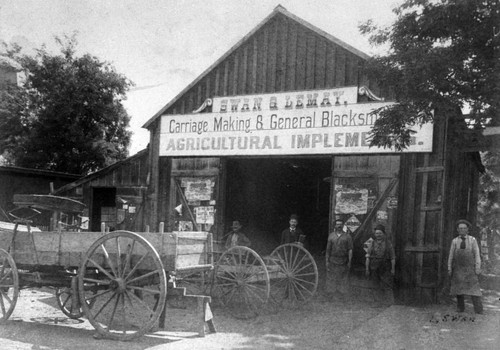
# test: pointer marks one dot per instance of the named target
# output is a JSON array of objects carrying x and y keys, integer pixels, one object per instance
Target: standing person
[
  {"x": 236, "y": 237},
  {"x": 464, "y": 266},
  {"x": 381, "y": 263},
  {"x": 338, "y": 260},
  {"x": 293, "y": 234}
]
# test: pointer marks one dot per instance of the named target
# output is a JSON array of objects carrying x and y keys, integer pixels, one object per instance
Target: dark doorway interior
[
  {"x": 103, "y": 203},
  {"x": 262, "y": 193}
]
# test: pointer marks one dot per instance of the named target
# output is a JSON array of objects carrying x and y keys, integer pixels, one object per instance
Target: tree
[
  {"x": 68, "y": 115},
  {"x": 441, "y": 54}
]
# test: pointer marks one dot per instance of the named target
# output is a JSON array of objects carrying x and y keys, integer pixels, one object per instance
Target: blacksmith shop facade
[{"x": 280, "y": 125}]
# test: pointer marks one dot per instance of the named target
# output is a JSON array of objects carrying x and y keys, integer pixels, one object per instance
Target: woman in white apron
[{"x": 464, "y": 266}]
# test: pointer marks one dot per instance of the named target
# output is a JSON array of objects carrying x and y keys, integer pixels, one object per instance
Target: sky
[{"x": 163, "y": 45}]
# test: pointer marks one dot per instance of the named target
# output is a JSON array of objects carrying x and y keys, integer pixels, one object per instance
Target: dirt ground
[{"x": 37, "y": 323}]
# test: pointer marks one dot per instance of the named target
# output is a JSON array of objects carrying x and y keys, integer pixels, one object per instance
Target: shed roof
[
  {"x": 279, "y": 10},
  {"x": 99, "y": 173}
]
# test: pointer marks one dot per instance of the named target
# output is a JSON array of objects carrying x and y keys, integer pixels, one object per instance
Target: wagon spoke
[
  {"x": 112, "y": 316},
  {"x": 233, "y": 292},
  {"x": 3, "y": 307},
  {"x": 139, "y": 300},
  {"x": 108, "y": 259},
  {"x": 137, "y": 265},
  {"x": 94, "y": 296},
  {"x": 5, "y": 275},
  {"x": 94, "y": 280},
  {"x": 130, "y": 249},
  {"x": 152, "y": 291},
  {"x": 298, "y": 287},
  {"x": 63, "y": 302},
  {"x": 102, "y": 269},
  {"x": 142, "y": 276},
  {"x": 254, "y": 290},
  {"x": 104, "y": 305},
  {"x": 297, "y": 255},
  {"x": 302, "y": 268},
  {"x": 124, "y": 315},
  {"x": 118, "y": 257}
]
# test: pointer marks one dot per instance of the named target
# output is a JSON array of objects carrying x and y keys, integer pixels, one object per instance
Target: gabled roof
[
  {"x": 99, "y": 173},
  {"x": 278, "y": 10}
]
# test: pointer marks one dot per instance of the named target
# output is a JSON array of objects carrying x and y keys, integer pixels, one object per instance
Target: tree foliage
[
  {"x": 68, "y": 115},
  {"x": 441, "y": 53}
]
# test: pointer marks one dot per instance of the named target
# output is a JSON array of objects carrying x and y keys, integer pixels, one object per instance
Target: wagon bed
[{"x": 118, "y": 279}]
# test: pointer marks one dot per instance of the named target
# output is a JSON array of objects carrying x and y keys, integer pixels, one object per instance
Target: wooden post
[
  {"x": 103, "y": 227},
  {"x": 147, "y": 228},
  {"x": 161, "y": 229}
]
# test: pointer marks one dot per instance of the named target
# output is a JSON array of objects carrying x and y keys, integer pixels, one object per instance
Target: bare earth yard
[{"x": 37, "y": 323}]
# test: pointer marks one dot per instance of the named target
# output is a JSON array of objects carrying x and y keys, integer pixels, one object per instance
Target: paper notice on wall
[
  {"x": 204, "y": 215},
  {"x": 85, "y": 223},
  {"x": 199, "y": 190},
  {"x": 351, "y": 201}
]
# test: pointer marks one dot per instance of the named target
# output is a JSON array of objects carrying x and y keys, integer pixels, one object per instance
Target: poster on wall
[
  {"x": 204, "y": 215},
  {"x": 198, "y": 190},
  {"x": 351, "y": 201}
]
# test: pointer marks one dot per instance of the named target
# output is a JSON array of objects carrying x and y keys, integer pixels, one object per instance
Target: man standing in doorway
[
  {"x": 338, "y": 261},
  {"x": 293, "y": 234}
]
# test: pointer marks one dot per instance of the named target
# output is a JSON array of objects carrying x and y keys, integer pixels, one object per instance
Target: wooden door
[
  {"x": 195, "y": 194},
  {"x": 364, "y": 193}
]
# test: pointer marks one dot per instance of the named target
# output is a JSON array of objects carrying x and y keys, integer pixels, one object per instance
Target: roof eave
[{"x": 279, "y": 9}]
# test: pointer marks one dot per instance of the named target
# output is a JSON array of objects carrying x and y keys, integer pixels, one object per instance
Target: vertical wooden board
[
  {"x": 278, "y": 70},
  {"x": 349, "y": 63},
  {"x": 320, "y": 64},
  {"x": 291, "y": 57},
  {"x": 225, "y": 78},
  {"x": 243, "y": 70},
  {"x": 217, "y": 81},
  {"x": 283, "y": 35},
  {"x": 271, "y": 56},
  {"x": 261, "y": 85},
  {"x": 300, "y": 73},
  {"x": 340, "y": 68},
  {"x": 310, "y": 60},
  {"x": 331, "y": 62},
  {"x": 200, "y": 92},
  {"x": 255, "y": 65},
  {"x": 234, "y": 69}
]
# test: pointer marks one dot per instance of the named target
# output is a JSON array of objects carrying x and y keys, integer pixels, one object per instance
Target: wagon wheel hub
[{"x": 119, "y": 285}]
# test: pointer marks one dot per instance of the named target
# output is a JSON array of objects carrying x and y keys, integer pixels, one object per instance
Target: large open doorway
[{"x": 263, "y": 192}]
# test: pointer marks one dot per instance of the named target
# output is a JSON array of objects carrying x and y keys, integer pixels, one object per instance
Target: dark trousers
[{"x": 476, "y": 301}]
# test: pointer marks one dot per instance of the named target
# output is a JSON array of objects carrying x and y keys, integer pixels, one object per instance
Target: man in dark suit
[{"x": 293, "y": 234}]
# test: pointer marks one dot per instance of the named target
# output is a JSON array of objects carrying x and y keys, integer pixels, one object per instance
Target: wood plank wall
[
  {"x": 435, "y": 190},
  {"x": 283, "y": 55}
]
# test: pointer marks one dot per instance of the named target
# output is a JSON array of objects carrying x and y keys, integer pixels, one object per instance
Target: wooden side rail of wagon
[{"x": 118, "y": 280}]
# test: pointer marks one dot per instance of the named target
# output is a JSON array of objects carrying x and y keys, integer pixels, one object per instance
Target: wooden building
[{"x": 276, "y": 126}]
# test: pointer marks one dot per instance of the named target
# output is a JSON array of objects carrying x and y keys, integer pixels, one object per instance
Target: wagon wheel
[
  {"x": 241, "y": 282},
  {"x": 122, "y": 285},
  {"x": 9, "y": 285},
  {"x": 64, "y": 298},
  {"x": 293, "y": 273},
  {"x": 195, "y": 282}
]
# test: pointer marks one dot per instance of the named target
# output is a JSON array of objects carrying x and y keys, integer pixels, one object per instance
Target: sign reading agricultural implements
[{"x": 343, "y": 129}]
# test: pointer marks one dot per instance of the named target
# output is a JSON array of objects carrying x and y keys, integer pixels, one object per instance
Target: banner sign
[
  {"x": 288, "y": 100},
  {"x": 343, "y": 129}
]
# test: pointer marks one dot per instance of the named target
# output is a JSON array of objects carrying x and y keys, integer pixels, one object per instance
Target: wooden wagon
[
  {"x": 118, "y": 279},
  {"x": 246, "y": 283}
]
